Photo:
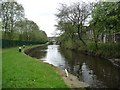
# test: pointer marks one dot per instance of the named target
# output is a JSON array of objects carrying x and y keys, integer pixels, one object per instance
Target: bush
[
  {"x": 70, "y": 44},
  {"x": 111, "y": 50}
]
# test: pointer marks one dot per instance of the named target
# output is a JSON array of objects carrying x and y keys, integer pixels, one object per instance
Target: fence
[{"x": 12, "y": 43}]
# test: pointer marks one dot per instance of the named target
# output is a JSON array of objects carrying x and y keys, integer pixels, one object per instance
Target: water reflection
[
  {"x": 94, "y": 71},
  {"x": 54, "y": 57},
  {"x": 38, "y": 52},
  {"x": 97, "y": 72}
]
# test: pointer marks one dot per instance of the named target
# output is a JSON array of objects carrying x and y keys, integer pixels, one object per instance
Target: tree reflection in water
[{"x": 97, "y": 72}]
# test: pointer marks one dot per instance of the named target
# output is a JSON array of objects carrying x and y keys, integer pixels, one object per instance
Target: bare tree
[{"x": 77, "y": 13}]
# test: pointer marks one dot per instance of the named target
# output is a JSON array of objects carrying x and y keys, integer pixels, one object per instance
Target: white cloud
[{"x": 42, "y": 12}]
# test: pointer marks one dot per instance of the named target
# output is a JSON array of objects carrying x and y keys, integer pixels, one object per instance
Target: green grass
[
  {"x": 22, "y": 71},
  {"x": 0, "y": 68},
  {"x": 111, "y": 50}
]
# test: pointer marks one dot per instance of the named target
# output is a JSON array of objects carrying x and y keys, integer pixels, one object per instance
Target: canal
[{"x": 98, "y": 73}]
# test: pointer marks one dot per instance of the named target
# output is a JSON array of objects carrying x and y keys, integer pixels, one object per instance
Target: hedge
[{"x": 11, "y": 43}]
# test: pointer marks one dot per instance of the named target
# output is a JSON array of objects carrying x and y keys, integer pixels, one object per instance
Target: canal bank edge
[
  {"x": 115, "y": 61},
  {"x": 71, "y": 81}
]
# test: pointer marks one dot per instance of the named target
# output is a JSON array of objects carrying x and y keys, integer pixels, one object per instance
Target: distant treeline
[{"x": 16, "y": 29}]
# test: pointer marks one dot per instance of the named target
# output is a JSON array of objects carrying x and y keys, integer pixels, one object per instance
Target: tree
[
  {"x": 77, "y": 14},
  {"x": 28, "y": 30},
  {"x": 105, "y": 19},
  {"x": 11, "y": 12}
]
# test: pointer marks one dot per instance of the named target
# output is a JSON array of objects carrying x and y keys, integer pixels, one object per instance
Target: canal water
[{"x": 98, "y": 73}]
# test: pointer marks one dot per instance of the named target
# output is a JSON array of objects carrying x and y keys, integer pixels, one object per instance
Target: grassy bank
[
  {"x": 105, "y": 50},
  {"x": 0, "y": 68},
  {"x": 22, "y": 71}
]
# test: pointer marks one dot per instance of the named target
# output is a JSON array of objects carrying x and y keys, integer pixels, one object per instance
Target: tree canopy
[
  {"x": 16, "y": 27},
  {"x": 73, "y": 18}
]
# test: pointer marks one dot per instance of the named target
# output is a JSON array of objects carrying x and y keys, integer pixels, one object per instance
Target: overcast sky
[{"x": 43, "y": 12}]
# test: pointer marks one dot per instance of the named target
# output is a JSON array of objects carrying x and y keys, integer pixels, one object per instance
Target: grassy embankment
[
  {"x": 105, "y": 50},
  {"x": 0, "y": 68},
  {"x": 22, "y": 71}
]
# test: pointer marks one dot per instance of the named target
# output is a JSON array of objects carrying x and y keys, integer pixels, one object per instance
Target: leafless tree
[{"x": 77, "y": 14}]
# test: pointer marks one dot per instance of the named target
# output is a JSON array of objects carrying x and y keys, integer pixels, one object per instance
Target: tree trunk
[
  {"x": 79, "y": 35},
  {"x": 95, "y": 40},
  {"x": 96, "y": 44}
]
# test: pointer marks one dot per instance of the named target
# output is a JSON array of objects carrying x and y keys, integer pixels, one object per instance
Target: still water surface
[{"x": 98, "y": 73}]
